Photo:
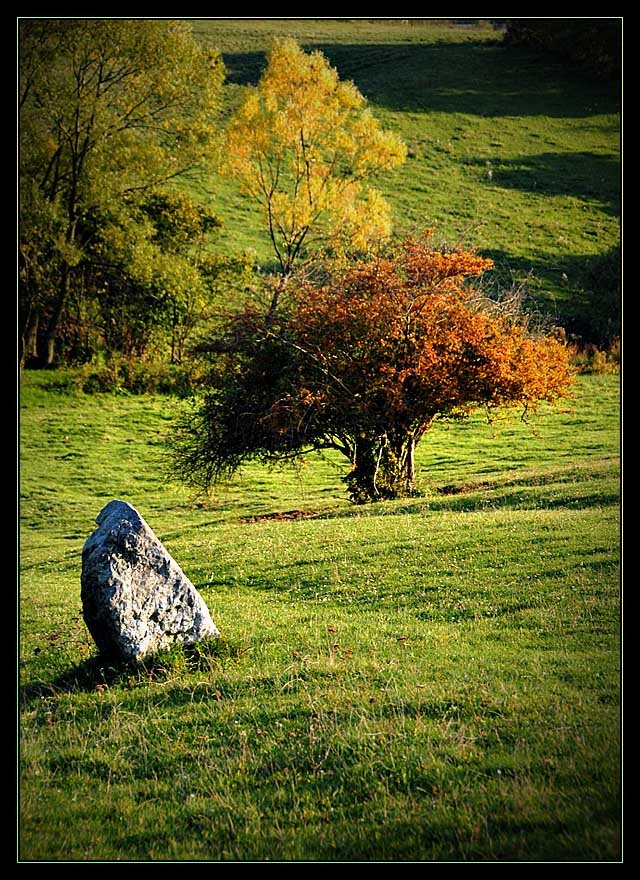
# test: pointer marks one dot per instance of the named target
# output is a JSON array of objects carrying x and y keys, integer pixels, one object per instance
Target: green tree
[
  {"x": 108, "y": 110},
  {"x": 303, "y": 145},
  {"x": 149, "y": 281},
  {"x": 151, "y": 273}
]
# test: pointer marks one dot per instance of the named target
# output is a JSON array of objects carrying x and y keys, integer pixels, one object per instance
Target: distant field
[
  {"x": 435, "y": 678},
  {"x": 509, "y": 150}
]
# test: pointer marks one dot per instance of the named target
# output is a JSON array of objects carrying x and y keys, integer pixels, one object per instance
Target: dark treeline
[{"x": 594, "y": 44}]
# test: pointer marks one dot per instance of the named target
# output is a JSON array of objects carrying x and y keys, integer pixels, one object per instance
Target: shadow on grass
[
  {"x": 464, "y": 497},
  {"x": 100, "y": 673},
  {"x": 93, "y": 674},
  {"x": 589, "y": 289},
  {"x": 590, "y": 177},
  {"x": 480, "y": 78}
]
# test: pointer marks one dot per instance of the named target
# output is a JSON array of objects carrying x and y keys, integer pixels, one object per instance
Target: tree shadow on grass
[
  {"x": 587, "y": 298},
  {"x": 479, "y": 78},
  {"x": 474, "y": 500},
  {"x": 542, "y": 492},
  {"x": 590, "y": 177}
]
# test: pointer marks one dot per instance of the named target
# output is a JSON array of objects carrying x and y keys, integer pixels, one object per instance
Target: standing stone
[{"x": 136, "y": 599}]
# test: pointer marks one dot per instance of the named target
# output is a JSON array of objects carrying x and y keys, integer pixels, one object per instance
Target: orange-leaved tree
[{"x": 364, "y": 363}]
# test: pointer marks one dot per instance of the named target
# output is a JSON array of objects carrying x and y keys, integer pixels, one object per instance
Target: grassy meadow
[
  {"x": 428, "y": 679},
  {"x": 509, "y": 150}
]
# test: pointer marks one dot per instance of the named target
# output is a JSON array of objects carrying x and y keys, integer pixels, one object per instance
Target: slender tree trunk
[
  {"x": 56, "y": 316},
  {"x": 410, "y": 464},
  {"x": 29, "y": 337},
  {"x": 275, "y": 299},
  {"x": 174, "y": 324}
]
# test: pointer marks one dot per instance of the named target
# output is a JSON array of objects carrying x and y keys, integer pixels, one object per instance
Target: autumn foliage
[
  {"x": 364, "y": 363},
  {"x": 303, "y": 145}
]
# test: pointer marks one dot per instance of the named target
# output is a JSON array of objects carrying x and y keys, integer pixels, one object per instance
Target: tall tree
[
  {"x": 364, "y": 364},
  {"x": 303, "y": 144},
  {"x": 109, "y": 109}
]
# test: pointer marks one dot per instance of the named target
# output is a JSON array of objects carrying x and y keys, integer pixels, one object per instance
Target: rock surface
[{"x": 136, "y": 600}]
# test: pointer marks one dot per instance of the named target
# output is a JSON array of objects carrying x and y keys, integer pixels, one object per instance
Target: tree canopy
[
  {"x": 303, "y": 144},
  {"x": 109, "y": 110},
  {"x": 364, "y": 363}
]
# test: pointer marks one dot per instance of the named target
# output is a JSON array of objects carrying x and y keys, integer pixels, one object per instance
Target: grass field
[
  {"x": 431, "y": 679},
  {"x": 509, "y": 150},
  {"x": 434, "y": 678}
]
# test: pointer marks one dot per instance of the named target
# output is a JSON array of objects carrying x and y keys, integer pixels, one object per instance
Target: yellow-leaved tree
[{"x": 303, "y": 144}]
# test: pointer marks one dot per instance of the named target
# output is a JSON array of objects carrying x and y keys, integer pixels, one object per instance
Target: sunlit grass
[
  {"x": 509, "y": 150},
  {"x": 432, "y": 678}
]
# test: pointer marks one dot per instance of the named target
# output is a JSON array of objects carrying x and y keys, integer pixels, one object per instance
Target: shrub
[
  {"x": 591, "y": 359},
  {"x": 126, "y": 376}
]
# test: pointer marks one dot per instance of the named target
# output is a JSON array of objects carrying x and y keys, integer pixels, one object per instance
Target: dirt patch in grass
[
  {"x": 283, "y": 516},
  {"x": 462, "y": 488}
]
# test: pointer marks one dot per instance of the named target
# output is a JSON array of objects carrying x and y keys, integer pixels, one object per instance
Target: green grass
[
  {"x": 435, "y": 678},
  {"x": 429, "y": 679},
  {"x": 509, "y": 151}
]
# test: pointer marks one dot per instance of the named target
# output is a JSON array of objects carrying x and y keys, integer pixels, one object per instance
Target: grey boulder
[{"x": 136, "y": 600}]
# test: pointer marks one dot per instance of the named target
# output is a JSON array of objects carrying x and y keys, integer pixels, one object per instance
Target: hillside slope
[{"x": 509, "y": 150}]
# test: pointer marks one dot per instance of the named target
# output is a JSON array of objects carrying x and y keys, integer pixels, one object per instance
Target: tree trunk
[
  {"x": 382, "y": 469},
  {"x": 410, "y": 465},
  {"x": 56, "y": 316},
  {"x": 29, "y": 337},
  {"x": 275, "y": 299},
  {"x": 174, "y": 322},
  {"x": 361, "y": 480}
]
